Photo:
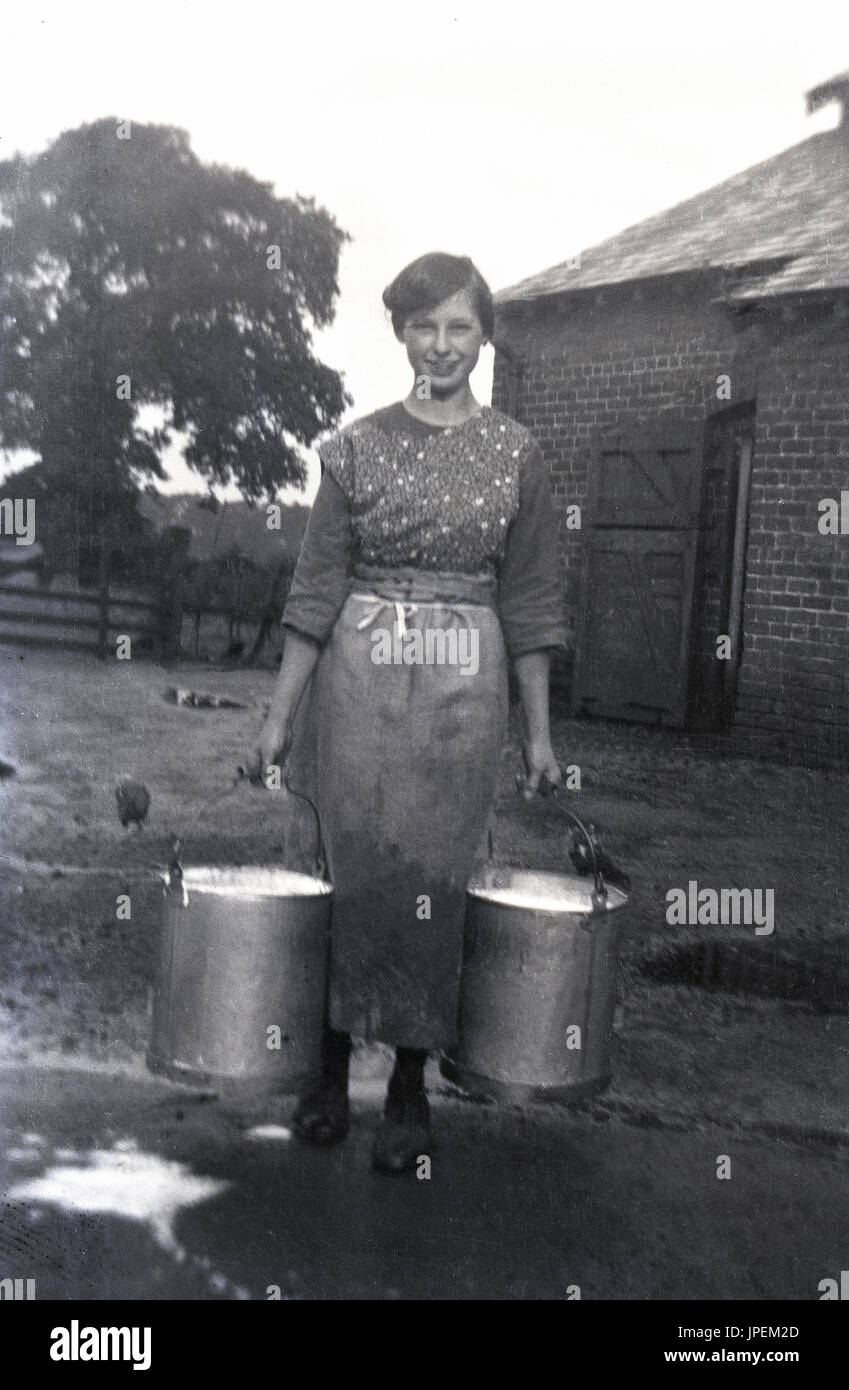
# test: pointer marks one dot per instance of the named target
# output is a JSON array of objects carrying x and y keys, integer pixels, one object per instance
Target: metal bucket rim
[
  {"x": 233, "y": 881},
  {"x": 491, "y": 882}
]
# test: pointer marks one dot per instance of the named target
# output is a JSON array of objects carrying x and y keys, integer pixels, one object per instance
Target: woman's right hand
[
  {"x": 275, "y": 740},
  {"x": 300, "y": 655}
]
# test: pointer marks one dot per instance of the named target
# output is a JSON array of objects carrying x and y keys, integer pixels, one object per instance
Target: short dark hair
[{"x": 428, "y": 281}]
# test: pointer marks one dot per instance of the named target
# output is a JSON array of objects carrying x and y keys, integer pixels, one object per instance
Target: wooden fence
[
  {"x": 169, "y": 618},
  {"x": 158, "y": 625},
  {"x": 83, "y": 619}
]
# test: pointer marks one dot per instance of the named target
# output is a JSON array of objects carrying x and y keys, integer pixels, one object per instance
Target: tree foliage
[{"x": 128, "y": 257}]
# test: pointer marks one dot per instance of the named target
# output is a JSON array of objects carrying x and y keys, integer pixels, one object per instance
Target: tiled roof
[{"x": 790, "y": 212}]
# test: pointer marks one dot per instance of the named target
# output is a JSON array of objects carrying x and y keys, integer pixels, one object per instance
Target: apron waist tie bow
[{"x": 402, "y": 612}]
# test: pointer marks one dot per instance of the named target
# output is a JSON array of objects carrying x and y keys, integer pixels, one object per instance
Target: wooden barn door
[{"x": 641, "y": 537}]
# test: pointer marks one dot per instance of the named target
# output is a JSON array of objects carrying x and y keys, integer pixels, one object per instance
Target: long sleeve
[
  {"x": 530, "y": 602},
  {"x": 321, "y": 579}
]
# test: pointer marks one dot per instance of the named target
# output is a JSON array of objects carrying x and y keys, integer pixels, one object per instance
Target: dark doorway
[{"x": 728, "y": 449}]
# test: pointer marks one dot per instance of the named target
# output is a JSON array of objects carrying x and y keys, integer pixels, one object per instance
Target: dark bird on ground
[
  {"x": 582, "y": 858},
  {"x": 133, "y": 800}
]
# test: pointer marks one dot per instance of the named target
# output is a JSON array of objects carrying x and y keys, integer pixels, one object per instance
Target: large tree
[{"x": 122, "y": 256}]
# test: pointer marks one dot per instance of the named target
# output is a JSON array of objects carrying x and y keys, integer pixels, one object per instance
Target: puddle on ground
[
  {"x": 122, "y": 1182},
  {"x": 817, "y": 976},
  {"x": 125, "y": 1182}
]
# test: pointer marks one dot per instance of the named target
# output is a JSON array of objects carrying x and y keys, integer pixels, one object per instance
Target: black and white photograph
[{"x": 424, "y": 667}]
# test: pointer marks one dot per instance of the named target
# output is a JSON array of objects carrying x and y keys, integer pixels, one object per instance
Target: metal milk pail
[
  {"x": 242, "y": 951},
  {"x": 538, "y": 988},
  {"x": 240, "y": 989}
]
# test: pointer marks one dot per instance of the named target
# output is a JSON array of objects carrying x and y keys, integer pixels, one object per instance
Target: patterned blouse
[{"x": 472, "y": 498}]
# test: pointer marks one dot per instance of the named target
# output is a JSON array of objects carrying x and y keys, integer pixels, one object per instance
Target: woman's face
[{"x": 443, "y": 344}]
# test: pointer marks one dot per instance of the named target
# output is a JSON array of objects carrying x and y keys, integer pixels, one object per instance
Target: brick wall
[
  {"x": 590, "y": 362},
  {"x": 794, "y": 679}
]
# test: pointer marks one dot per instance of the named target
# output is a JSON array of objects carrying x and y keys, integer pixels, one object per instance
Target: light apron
[{"x": 401, "y": 756}]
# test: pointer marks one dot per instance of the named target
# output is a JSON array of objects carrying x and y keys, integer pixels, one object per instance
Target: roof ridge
[{"x": 564, "y": 277}]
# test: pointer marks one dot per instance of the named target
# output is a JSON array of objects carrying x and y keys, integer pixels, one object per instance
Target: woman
[{"x": 430, "y": 554}]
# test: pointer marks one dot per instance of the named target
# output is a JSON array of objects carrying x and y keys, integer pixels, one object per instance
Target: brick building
[{"x": 688, "y": 382}]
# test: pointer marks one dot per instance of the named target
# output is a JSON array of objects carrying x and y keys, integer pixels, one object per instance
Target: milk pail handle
[
  {"x": 599, "y": 895},
  {"x": 250, "y": 774},
  {"x": 254, "y": 776}
]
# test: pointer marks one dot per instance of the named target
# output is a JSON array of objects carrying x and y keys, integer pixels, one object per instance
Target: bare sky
[{"x": 515, "y": 133}]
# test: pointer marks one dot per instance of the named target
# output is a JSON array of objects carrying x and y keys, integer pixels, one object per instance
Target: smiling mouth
[{"x": 443, "y": 368}]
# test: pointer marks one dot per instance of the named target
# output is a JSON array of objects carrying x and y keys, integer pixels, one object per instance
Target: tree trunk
[
  {"x": 270, "y": 611},
  {"x": 175, "y": 544}
]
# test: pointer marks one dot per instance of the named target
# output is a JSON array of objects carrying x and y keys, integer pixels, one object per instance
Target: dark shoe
[
  {"x": 404, "y": 1135},
  {"x": 322, "y": 1117}
]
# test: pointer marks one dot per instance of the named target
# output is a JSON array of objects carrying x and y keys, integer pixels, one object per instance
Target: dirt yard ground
[{"x": 764, "y": 1057}]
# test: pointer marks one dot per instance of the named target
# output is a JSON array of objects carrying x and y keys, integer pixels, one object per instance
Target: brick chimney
[{"x": 836, "y": 89}]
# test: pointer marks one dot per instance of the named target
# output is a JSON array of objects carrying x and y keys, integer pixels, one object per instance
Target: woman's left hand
[{"x": 540, "y": 761}]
